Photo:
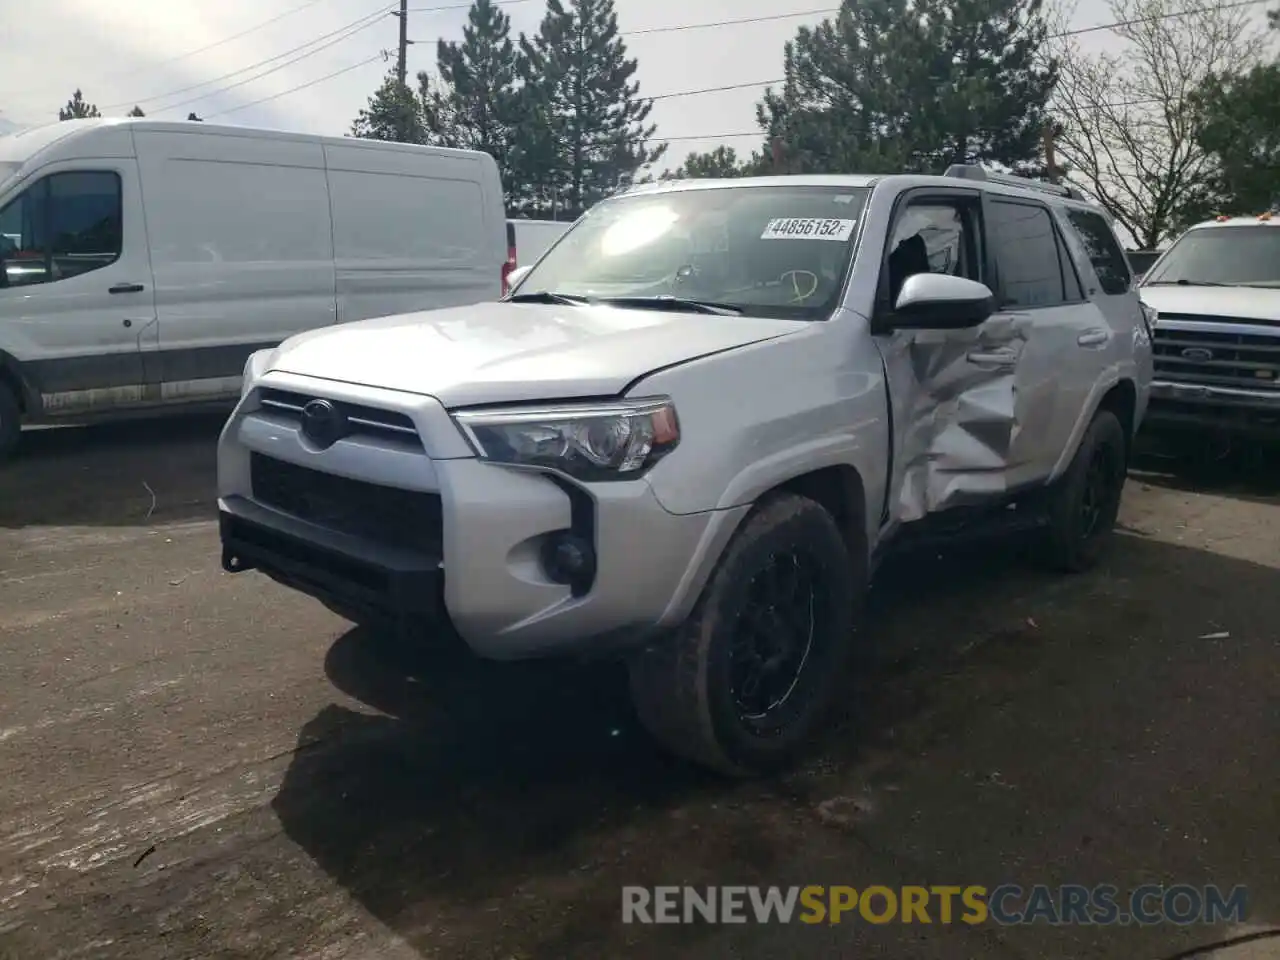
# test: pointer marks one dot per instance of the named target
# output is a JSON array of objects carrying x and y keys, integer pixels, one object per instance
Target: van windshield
[
  {"x": 1222, "y": 256},
  {"x": 779, "y": 251}
]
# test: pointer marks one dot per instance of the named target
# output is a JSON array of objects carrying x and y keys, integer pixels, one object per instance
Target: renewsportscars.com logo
[{"x": 1007, "y": 905}]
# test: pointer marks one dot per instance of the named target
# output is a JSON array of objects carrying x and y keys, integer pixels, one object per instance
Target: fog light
[{"x": 569, "y": 559}]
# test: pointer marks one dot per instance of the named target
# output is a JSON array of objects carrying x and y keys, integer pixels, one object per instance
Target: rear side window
[
  {"x": 1026, "y": 252},
  {"x": 60, "y": 227},
  {"x": 1105, "y": 253}
]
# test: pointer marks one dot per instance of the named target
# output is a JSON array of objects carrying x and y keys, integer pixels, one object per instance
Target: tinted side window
[
  {"x": 60, "y": 227},
  {"x": 1026, "y": 252},
  {"x": 85, "y": 229},
  {"x": 1104, "y": 251}
]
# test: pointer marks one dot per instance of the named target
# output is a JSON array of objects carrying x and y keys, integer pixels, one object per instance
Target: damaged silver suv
[{"x": 694, "y": 428}]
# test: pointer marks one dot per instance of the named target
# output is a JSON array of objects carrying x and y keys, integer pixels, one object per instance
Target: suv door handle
[
  {"x": 126, "y": 288},
  {"x": 1094, "y": 338},
  {"x": 1003, "y": 357}
]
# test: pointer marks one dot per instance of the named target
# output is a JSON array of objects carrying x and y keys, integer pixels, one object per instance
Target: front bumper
[
  {"x": 1180, "y": 406},
  {"x": 479, "y": 571}
]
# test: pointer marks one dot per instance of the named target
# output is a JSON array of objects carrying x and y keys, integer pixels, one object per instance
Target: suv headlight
[{"x": 610, "y": 440}]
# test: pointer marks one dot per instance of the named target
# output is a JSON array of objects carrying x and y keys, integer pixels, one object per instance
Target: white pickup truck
[{"x": 696, "y": 425}]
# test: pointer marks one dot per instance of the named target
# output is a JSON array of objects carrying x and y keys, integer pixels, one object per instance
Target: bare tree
[{"x": 1126, "y": 120}]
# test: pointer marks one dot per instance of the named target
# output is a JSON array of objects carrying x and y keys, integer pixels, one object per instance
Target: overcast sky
[{"x": 153, "y": 53}]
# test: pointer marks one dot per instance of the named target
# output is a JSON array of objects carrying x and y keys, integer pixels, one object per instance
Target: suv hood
[
  {"x": 1237, "y": 303},
  {"x": 500, "y": 352}
]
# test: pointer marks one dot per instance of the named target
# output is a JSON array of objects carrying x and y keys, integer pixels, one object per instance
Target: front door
[
  {"x": 77, "y": 307},
  {"x": 955, "y": 393}
]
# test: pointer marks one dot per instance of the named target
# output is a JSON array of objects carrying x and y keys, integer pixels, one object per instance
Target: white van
[{"x": 142, "y": 261}]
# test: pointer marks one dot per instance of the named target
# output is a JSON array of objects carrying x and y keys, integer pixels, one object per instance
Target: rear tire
[
  {"x": 10, "y": 423},
  {"x": 1084, "y": 507},
  {"x": 745, "y": 682}
]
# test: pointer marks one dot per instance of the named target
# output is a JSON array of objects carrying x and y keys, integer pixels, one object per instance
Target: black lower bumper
[{"x": 362, "y": 581}]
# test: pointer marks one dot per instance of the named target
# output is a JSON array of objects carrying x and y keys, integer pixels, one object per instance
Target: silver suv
[{"x": 695, "y": 427}]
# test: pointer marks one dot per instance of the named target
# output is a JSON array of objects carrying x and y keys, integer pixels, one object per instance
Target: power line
[
  {"x": 280, "y": 66},
  {"x": 301, "y": 86},
  {"x": 225, "y": 40},
  {"x": 706, "y": 26},
  {"x": 675, "y": 27},
  {"x": 360, "y": 23},
  {"x": 1164, "y": 16},
  {"x": 461, "y": 6}
]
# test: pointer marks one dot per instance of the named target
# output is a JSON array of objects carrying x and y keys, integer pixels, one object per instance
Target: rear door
[
  {"x": 76, "y": 295},
  {"x": 1039, "y": 291},
  {"x": 414, "y": 228}
]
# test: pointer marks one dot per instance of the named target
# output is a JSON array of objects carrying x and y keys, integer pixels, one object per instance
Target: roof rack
[{"x": 970, "y": 171}]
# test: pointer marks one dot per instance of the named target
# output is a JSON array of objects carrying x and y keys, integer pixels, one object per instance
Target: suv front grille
[
  {"x": 1215, "y": 357},
  {"x": 388, "y": 516},
  {"x": 363, "y": 420}
]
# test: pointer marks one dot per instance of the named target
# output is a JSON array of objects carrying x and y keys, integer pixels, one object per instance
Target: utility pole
[
  {"x": 401, "y": 68},
  {"x": 1051, "y": 166},
  {"x": 777, "y": 154}
]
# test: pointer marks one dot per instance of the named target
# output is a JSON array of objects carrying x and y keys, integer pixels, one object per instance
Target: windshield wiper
[
  {"x": 679, "y": 304},
  {"x": 546, "y": 296},
  {"x": 1188, "y": 283}
]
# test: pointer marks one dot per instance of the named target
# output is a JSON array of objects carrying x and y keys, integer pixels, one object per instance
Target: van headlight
[
  {"x": 254, "y": 367},
  {"x": 610, "y": 440}
]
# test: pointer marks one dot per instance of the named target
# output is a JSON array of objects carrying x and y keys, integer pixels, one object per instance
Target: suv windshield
[
  {"x": 1214, "y": 256},
  {"x": 779, "y": 251}
]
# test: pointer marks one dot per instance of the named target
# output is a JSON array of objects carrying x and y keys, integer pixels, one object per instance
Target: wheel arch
[
  {"x": 838, "y": 488},
  {"x": 1118, "y": 394},
  {"x": 14, "y": 379}
]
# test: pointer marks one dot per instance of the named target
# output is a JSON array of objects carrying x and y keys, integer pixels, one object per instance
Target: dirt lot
[{"x": 200, "y": 765}]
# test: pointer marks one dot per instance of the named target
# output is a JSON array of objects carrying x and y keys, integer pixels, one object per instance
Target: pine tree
[
  {"x": 992, "y": 88},
  {"x": 584, "y": 128},
  {"x": 77, "y": 108},
  {"x": 720, "y": 162},
  {"x": 892, "y": 85},
  {"x": 851, "y": 85},
  {"x": 476, "y": 107},
  {"x": 1238, "y": 126},
  {"x": 394, "y": 113},
  {"x": 136, "y": 112}
]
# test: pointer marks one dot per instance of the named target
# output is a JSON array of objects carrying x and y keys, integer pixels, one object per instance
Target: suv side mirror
[
  {"x": 938, "y": 301},
  {"x": 516, "y": 275}
]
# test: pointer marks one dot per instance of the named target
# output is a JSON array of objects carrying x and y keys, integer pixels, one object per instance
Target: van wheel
[
  {"x": 10, "y": 423},
  {"x": 1083, "y": 510},
  {"x": 745, "y": 682}
]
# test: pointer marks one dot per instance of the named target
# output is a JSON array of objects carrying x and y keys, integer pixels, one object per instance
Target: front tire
[
  {"x": 1084, "y": 507},
  {"x": 745, "y": 682}
]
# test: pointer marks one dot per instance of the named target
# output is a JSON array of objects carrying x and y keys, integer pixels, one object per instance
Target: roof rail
[{"x": 971, "y": 171}]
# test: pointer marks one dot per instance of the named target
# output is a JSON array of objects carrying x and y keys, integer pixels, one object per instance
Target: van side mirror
[
  {"x": 938, "y": 301},
  {"x": 516, "y": 275}
]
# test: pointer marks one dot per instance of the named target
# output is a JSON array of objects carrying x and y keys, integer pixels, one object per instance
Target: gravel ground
[{"x": 200, "y": 765}]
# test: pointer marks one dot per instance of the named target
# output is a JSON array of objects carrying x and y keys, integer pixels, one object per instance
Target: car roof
[{"x": 1004, "y": 186}]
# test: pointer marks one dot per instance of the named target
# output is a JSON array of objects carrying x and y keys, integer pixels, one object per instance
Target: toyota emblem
[{"x": 323, "y": 423}]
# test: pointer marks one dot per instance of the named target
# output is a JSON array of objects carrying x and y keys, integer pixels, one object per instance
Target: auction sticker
[{"x": 806, "y": 228}]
